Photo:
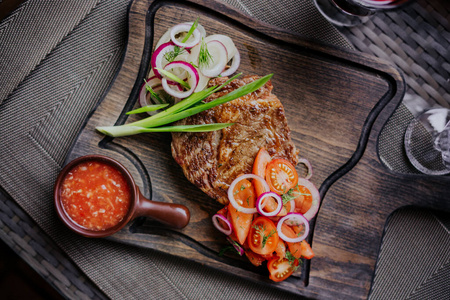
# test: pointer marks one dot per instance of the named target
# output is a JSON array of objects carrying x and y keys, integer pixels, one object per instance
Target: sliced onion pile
[
  {"x": 225, "y": 60},
  {"x": 293, "y": 219},
  {"x": 233, "y": 201}
]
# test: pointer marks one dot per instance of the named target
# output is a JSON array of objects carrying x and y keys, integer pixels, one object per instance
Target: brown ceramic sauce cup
[{"x": 173, "y": 215}]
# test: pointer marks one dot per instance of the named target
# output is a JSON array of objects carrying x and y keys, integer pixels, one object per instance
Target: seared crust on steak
[{"x": 212, "y": 160}]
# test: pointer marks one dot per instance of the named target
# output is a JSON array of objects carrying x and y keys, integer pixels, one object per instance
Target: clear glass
[
  {"x": 427, "y": 141},
  {"x": 354, "y": 12}
]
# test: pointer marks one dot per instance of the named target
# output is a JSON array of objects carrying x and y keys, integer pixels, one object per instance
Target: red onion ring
[
  {"x": 220, "y": 228},
  {"x": 185, "y": 28},
  {"x": 158, "y": 57},
  {"x": 307, "y": 164},
  {"x": 289, "y": 218},
  {"x": 234, "y": 65},
  {"x": 236, "y": 246},
  {"x": 193, "y": 79},
  {"x": 315, "y": 198},
  {"x": 260, "y": 204},
  {"x": 233, "y": 201},
  {"x": 219, "y": 55}
]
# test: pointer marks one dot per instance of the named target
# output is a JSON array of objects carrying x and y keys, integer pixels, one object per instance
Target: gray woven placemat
[
  {"x": 417, "y": 40},
  {"x": 414, "y": 258},
  {"x": 56, "y": 61}
]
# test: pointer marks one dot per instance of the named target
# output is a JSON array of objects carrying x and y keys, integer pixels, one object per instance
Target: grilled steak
[{"x": 212, "y": 160}]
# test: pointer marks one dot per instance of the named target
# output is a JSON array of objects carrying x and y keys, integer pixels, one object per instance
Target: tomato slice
[
  {"x": 280, "y": 250},
  {"x": 263, "y": 237},
  {"x": 306, "y": 250},
  {"x": 223, "y": 211},
  {"x": 259, "y": 168},
  {"x": 254, "y": 258},
  {"x": 281, "y": 176},
  {"x": 298, "y": 250},
  {"x": 294, "y": 248},
  {"x": 244, "y": 194},
  {"x": 304, "y": 201},
  {"x": 280, "y": 269}
]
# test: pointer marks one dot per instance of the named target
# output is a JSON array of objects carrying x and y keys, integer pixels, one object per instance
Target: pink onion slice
[
  {"x": 158, "y": 60},
  {"x": 219, "y": 59},
  {"x": 307, "y": 164},
  {"x": 236, "y": 61},
  {"x": 292, "y": 219},
  {"x": 236, "y": 246},
  {"x": 185, "y": 28},
  {"x": 260, "y": 204},
  {"x": 215, "y": 220},
  {"x": 193, "y": 78},
  {"x": 315, "y": 197},
  {"x": 233, "y": 201}
]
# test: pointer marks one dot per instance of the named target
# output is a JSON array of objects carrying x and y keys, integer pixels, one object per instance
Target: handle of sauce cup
[{"x": 174, "y": 215}]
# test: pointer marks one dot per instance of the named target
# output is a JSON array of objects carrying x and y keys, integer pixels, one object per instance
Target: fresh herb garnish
[
  {"x": 240, "y": 189},
  {"x": 147, "y": 108},
  {"x": 261, "y": 231},
  {"x": 152, "y": 92},
  {"x": 185, "y": 108},
  {"x": 226, "y": 249},
  {"x": 291, "y": 259},
  {"x": 204, "y": 57},
  {"x": 170, "y": 56},
  {"x": 173, "y": 77},
  {"x": 292, "y": 194}
]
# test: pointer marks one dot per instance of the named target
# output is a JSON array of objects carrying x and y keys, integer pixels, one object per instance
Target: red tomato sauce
[{"x": 95, "y": 195}]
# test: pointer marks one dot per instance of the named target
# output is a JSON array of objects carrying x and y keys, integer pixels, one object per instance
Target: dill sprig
[
  {"x": 292, "y": 194},
  {"x": 204, "y": 57},
  {"x": 261, "y": 231},
  {"x": 170, "y": 56},
  {"x": 292, "y": 259}
]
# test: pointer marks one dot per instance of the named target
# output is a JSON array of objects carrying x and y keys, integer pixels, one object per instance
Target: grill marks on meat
[{"x": 212, "y": 160}]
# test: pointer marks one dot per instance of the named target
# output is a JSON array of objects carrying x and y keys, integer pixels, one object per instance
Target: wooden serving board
[{"x": 336, "y": 102}]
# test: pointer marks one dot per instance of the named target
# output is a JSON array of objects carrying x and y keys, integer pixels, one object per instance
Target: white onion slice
[
  {"x": 218, "y": 60},
  {"x": 226, "y": 41},
  {"x": 166, "y": 36},
  {"x": 293, "y": 219},
  {"x": 234, "y": 65},
  {"x": 202, "y": 83},
  {"x": 193, "y": 78},
  {"x": 233, "y": 201},
  {"x": 260, "y": 204},
  {"x": 196, "y": 36},
  {"x": 158, "y": 60},
  {"x": 216, "y": 223},
  {"x": 315, "y": 197},
  {"x": 307, "y": 164}
]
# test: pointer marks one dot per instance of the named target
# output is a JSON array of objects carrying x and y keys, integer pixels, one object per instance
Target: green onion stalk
[{"x": 189, "y": 106}]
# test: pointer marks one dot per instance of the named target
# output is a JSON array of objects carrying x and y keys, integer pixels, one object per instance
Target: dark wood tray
[{"x": 336, "y": 102}]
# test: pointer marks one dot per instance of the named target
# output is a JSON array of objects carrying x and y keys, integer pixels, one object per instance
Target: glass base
[{"x": 337, "y": 16}]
